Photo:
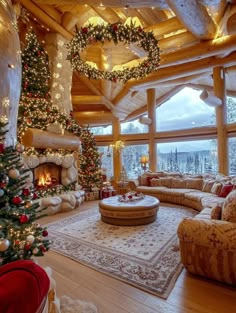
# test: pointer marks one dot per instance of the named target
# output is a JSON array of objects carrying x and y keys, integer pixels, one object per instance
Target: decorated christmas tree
[
  {"x": 36, "y": 110},
  {"x": 21, "y": 237},
  {"x": 35, "y": 68},
  {"x": 90, "y": 175}
]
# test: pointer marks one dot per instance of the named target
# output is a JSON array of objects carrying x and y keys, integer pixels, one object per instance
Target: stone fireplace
[{"x": 53, "y": 168}]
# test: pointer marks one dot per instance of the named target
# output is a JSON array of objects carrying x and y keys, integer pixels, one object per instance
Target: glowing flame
[{"x": 44, "y": 180}]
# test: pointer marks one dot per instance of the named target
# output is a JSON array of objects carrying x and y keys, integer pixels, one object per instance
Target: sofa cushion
[
  {"x": 229, "y": 208},
  {"x": 216, "y": 212},
  {"x": 226, "y": 189},
  {"x": 211, "y": 200},
  {"x": 216, "y": 188},
  {"x": 207, "y": 185},
  {"x": 194, "y": 183}
]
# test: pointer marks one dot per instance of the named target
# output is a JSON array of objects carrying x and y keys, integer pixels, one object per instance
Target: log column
[
  {"x": 151, "y": 108},
  {"x": 220, "y": 92},
  {"x": 116, "y": 153}
]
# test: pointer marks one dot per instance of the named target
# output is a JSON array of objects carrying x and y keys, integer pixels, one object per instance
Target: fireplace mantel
[{"x": 40, "y": 139}]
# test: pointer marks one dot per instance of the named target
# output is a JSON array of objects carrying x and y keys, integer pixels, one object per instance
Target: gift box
[
  {"x": 92, "y": 195},
  {"x": 107, "y": 192}
]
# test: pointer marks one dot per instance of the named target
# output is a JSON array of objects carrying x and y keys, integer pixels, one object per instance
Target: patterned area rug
[{"x": 145, "y": 256}]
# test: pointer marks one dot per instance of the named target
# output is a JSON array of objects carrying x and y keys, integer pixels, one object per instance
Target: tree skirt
[{"x": 145, "y": 256}]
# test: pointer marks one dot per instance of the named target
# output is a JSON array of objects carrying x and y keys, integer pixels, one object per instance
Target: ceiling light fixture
[{"x": 129, "y": 33}]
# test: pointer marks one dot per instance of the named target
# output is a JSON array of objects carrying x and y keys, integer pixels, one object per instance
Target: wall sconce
[
  {"x": 144, "y": 162},
  {"x": 118, "y": 145}
]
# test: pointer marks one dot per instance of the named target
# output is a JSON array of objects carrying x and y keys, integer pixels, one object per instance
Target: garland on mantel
[{"x": 117, "y": 33}]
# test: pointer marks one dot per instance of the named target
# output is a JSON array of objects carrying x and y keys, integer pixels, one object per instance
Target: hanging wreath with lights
[{"x": 117, "y": 33}]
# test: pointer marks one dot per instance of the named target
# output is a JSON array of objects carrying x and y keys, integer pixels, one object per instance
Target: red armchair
[{"x": 24, "y": 286}]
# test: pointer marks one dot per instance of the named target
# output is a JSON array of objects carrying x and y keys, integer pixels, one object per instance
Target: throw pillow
[
  {"x": 229, "y": 208},
  {"x": 226, "y": 189},
  {"x": 207, "y": 185},
  {"x": 216, "y": 212},
  {"x": 155, "y": 182},
  {"x": 216, "y": 188},
  {"x": 149, "y": 178},
  {"x": 178, "y": 183}
]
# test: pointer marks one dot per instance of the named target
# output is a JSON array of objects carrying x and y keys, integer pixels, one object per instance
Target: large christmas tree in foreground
[{"x": 20, "y": 236}]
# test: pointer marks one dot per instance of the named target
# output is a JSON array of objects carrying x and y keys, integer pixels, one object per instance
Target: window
[
  {"x": 232, "y": 155},
  {"x": 131, "y": 159},
  {"x": 184, "y": 110},
  {"x": 231, "y": 109},
  {"x": 101, "y": 130},
  {"x": 106, "y": 154},
  {"x": 199, "y": 156},
  {"x": 134, "y": 127}
]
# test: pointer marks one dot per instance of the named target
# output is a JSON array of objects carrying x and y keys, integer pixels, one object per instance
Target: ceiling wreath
[{"x": 117, "y": 33}]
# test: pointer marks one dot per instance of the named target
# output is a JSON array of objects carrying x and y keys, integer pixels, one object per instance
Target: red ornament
[
  {"x": 26, "y": 66},
  {"x": 27, "y": 246},
  {"x": 26, "y": 192},
  {"x": 114, "y": 79},
  {"x": 30, "y": 95},
  {"x": 43, "y": 249},
  {"x": 140, "y": 29},
  {"x": 45, "y": 233},
  {"x": 17, "y": 242},
  {"x": 85, "y": 30},
  {"x": 115, "y": 27},
  {"x": 35, "y": 196},
  {"x": 130, "y": 196},
  {"x": 2, "y": 147},
  {"x": 17, "y": 200},
  {"x": 3, "y": 185},
  {"x": 39, "y": 52},
  {"x": 24, "y": 218}
]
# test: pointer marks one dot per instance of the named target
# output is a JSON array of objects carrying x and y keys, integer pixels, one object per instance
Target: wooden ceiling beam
[
  {"x": 88, "y": 100},
  {"x": 46, "y": 19},
  {"x": 195, "y": 17},
  {"x": 165, "y": 27},
  {"x": 51, "y": 12},
  {"x": 94, "y": 117},
  {"x": 161, "y": 4}
]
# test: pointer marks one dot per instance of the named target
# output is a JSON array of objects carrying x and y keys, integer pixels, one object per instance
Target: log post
[
  {"x": 151, "y": 106},
  {"x": 220, "y": 92},
  {"x": 116, "y": 152}
]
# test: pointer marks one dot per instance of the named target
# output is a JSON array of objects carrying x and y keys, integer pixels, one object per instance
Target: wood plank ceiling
[{"x": 194, "y": 36}]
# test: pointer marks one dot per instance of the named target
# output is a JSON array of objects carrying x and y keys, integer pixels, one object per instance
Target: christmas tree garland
[{"x": 117, "y": 33}]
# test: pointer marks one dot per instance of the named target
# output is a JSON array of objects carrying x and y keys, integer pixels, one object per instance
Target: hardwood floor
[{"x": 191, "y": 294}]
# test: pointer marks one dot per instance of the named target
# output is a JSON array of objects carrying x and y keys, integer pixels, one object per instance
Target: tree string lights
[{"x": 117, "y": 33}]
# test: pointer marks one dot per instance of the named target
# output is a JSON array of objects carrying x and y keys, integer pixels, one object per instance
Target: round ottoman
[{"x": 140, "y": 212}]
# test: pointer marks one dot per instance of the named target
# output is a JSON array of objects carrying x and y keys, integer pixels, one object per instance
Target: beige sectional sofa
[{"x": 207, "y": 241}]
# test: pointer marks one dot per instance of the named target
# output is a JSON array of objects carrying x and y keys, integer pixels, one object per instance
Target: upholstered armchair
[
  {"x": 208, "y": 248},
  {"x": 24, "y": 287}
]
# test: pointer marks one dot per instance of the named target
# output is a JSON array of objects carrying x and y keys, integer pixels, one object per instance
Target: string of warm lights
[{"x": 117, "y": 33}]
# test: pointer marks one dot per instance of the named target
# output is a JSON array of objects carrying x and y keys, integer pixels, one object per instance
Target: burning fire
[{"x": 44, "y": 180}]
